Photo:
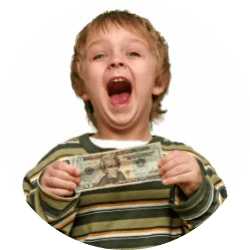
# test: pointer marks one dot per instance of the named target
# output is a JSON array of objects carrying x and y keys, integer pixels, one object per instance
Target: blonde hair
[{"x": 134, "y": 23}]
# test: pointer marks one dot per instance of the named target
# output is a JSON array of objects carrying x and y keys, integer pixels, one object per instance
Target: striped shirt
[{"x": 124, "y": 217}]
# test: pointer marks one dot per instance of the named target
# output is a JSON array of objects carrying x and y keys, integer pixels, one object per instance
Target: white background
[{"x": 207, "y": 102}]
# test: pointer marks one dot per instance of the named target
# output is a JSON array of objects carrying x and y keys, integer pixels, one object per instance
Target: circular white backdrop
[{"x": 207, "y": 105}]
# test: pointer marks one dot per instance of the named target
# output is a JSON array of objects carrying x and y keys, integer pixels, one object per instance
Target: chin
[
  {"x": 125, "y": 123},
  {"x": 122, "y": 121}
]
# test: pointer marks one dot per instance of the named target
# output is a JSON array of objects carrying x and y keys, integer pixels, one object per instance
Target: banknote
[{"x": 118, "y": 167}]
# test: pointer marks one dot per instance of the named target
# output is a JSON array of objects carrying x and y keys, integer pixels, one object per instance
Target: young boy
[{"x": 120, "y": 68}]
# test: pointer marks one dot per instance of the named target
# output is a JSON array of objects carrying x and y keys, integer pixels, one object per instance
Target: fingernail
[
  {"x": 76, "y": 181},
  {"x": 74, "y": 173},
  {"x": 164, "y": 182},
  {"x": 71, "y": 188}
]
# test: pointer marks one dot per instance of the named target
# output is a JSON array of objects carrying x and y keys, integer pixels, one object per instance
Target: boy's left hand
[{"x": 182, "y": 169}]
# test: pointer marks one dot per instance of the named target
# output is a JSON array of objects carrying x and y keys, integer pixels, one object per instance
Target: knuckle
[
  {"x": 58, "y": 165},
  {"x": 44, "y": 177},
  {"x": 176, "y": 151},
  {"x": 53, "y": 182},
  {"x": 178, "y": 170},
  {"x": 179, "y": 160},
  {"x": 47, "y": 171},
  {"x": 54, "y": 164},
  {"x": 43, "y": 181}
]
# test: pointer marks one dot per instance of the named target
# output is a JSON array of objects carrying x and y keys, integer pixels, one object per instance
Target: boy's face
[{"x": 119, "y": 72}]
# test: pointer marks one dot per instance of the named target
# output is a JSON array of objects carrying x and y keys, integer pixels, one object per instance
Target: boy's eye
[
  {"x": 133, "y": 54},
  {"x": 99, "y": 56}
]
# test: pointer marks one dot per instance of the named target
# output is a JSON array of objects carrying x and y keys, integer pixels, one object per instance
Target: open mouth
[{"x": 119, "y": 90}]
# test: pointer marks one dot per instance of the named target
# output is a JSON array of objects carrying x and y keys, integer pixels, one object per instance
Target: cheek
[
  {"x": 88, "y": 74},
  {"x": 148, "y": 70},
  {"x": 92, "y": 78},
  {"x": 91, "y": 71},
  {"x": 148, "y": 77}
]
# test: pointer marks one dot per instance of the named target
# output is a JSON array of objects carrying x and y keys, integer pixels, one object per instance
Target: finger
[
  {"x": 59, "y": 192},
  {"x": 165, "y": 159},
  {"x": 62, "y": 175},
  {"x": 177, "y": 170},
  {"x": 178, "y": 179},
  {"x": 54, "y": 182},
  {"x": 174, "y": 162},
  {"x": 70, "y": 169}
]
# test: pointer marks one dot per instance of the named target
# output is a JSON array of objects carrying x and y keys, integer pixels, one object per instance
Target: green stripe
[
  {"x": 213, "y": 179},
  {"x": 38, "y": 206},
  {"x": 176, "y": 147},
  {"x": 124, "y": 214},
  {"x": 126, "y": 225},
  {"x": 67, "y": 228},
  {"x": 125, "y": 196},
  {"x": 27, "y": 186},
  {"x": 58, "y": 204},
  {"x": 137, "y": 247}
]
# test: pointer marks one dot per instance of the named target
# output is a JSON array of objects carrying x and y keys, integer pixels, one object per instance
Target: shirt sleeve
[
  {"x": 57, "y": 211},
  {"x": 204, "y": 202}
]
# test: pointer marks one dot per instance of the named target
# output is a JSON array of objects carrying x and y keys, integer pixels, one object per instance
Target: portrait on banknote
[{"x": 110, "y": 165}]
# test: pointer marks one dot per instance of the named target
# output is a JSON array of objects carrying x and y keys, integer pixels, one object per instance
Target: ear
[
  {"x": 82, "y": 93},
  {"x": 85, "y": 96},
  {"x": 159, "y": 88}
]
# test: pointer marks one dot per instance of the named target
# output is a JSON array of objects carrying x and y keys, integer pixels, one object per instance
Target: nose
[
  {"x": 116, "y": 65},
  {"x": 116, "y": 61}
]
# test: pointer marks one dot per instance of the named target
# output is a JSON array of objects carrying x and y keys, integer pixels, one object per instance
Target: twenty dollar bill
[{"x": 118, "y": 167}]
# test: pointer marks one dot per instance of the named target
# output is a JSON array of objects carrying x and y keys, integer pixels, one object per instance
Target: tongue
[{"x": 120, "y": 99}]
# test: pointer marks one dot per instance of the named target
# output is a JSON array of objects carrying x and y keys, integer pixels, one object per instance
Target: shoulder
[
  {"x": 60, "y": 152},
  {"x": 169, "y": 145},
  {"x": 71, "y": 146}
]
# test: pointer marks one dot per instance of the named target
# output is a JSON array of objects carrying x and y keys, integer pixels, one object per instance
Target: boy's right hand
[{"x": 60, "y": 179}]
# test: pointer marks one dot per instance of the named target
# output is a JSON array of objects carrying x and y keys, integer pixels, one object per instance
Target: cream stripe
[
  {"x": 65, "y": 221},
  {"x": 129, "y": 233},
  {"x": 51, "y": 218},
  {"x": 219, "y": 184}
]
